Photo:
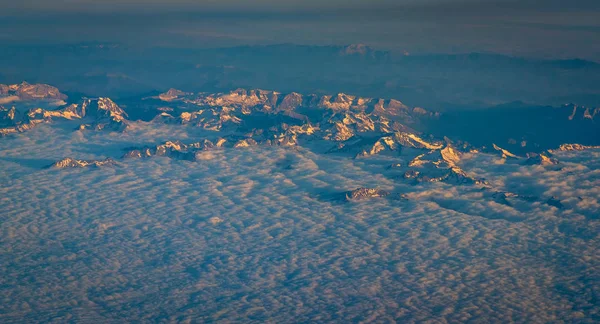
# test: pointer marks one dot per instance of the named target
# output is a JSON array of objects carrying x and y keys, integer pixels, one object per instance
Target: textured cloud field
[{"x": 260, "y": 233}]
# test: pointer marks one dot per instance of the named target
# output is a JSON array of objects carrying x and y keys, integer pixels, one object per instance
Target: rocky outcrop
[
  {"x": 73, "y": 163},
  {"x": 452, "y": 175},
  {"x": 540, "y": 159},
  {"x": 504, "y": 153},
  {"x": 104, "y": 114},
  {"x": 357, "y": 126},
  {"x": 172, "y": 94},
  {"x": 13, "y": 122},
  {"x": 509, "y": 198},
  {"x": 172, "y": 149},
  {"x": 97, "y": 114},
  {"x": 29, "y": 92},
  {"x": 366, "y": 193},
  {"x": 440, "y": 166},
  {"x": 245, "y": 143},
  {"x": 368, "y": 146},
  {"x": 576, "y": 147}
]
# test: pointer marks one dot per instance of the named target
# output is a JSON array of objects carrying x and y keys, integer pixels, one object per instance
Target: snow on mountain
[
  {"x": 73, "y": 163},
  {"x": 274, "y": 102},
  {"x": 173, "y": 149},
  {"x": 29, "y": 92},
  {"x": 172, "y": 94},
  {"x": 100, "y": 113},
  {"x": 540, "y": 159},
  {"x": 8, "y": 116},
  {"x": 105, "y": 114},
  {"x": 12, "y": 121},
  {"x": 360, "y": 127},
  {"x": 180, "y": 151},
  {"x": 363, "y": 146},
  {"x": 440, "y": 166},
  {"x": 576, "y": 147},
  {"x": 505, "y": 154},
  {"x": 366, "y": 193},
  {"x": 412, "y": 140},
  {"x": 450, "y": 155}
]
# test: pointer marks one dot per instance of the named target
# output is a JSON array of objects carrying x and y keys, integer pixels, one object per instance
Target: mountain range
[
  {"x": 342, "y": 124},
  {"x": 361, "y": 126},
  {"x": 437, "y": 81}
]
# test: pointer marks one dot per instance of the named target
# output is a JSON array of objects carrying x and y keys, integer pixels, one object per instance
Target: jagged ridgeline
[
  {"x": 341, "y": 123},
  {"x": 95, "y": 113}
]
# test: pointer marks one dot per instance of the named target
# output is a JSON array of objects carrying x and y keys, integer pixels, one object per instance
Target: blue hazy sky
[
  {"x": 551, "y": 28},
  {"x": 466, "y": 6}
]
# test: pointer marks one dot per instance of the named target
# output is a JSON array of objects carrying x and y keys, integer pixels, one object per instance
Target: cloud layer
[{"x": 252, "y": 234}]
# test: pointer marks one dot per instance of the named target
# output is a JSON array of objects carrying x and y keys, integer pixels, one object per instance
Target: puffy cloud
[{"x": 246, "y": 234}]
